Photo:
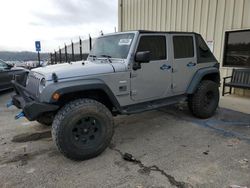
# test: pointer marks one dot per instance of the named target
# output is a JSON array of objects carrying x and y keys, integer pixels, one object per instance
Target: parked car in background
[
  {"x": 17, "y": 63},
  {"x": 7, "y": 73}
]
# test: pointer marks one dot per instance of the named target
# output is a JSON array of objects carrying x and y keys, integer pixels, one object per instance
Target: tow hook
[
  {"x": 21, "y": 114},
  {"x": 9, "y": 103}
]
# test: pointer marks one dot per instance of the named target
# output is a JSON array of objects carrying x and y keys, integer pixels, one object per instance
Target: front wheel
[
  {"x": 82, "y": 129},
  {"x": 204, "y": 101}
]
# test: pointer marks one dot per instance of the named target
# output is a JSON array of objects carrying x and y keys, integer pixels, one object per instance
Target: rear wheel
[
  {"x": 82, "y": 129},
  {"x": 204, "y": 101}
]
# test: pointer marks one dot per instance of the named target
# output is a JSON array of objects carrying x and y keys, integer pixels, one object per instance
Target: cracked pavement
[
  {"x": 147, "y": 169},
  {"x": 168, "y": 147}
]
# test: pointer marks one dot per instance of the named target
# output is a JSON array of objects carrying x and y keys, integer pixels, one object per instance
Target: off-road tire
[
  {"x": 68, "y": 116},
  {"x": 189, "y": 103},
  {"x": 204, "y": 101},
  {"x": 46, "y": 120}
]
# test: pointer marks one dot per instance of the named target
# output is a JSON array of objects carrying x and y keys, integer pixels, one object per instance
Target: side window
[
  {"x": 3, "y": 66},
  {"x": 183, "y": 47},
  {"x": 203, "y": 52},
  {"x": 155, "y": 44}
]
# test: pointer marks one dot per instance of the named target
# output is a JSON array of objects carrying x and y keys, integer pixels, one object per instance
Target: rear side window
[
  {"x": 203, "y": 52},
  {"x": 183, "y": 47},
  {"x": 155, "y": 44}
]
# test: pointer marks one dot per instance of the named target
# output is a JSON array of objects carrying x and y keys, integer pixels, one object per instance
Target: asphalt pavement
[{"x": 161, "y": 148}]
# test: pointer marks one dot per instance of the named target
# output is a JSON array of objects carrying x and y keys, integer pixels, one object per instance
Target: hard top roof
[{"x": 170, "y": 32}]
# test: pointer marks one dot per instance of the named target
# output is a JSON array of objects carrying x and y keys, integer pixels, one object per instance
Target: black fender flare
[
  {"x": 198, "y": 77},
  {"x": 76, "y": 86}
]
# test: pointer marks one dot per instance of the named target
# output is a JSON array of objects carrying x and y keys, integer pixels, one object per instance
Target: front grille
[
  {"x": 21, "y": 78},
  {"x": 33, "y": 84}
]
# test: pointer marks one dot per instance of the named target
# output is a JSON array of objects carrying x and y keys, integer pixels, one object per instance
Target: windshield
[{"x": 115, "y": 46}]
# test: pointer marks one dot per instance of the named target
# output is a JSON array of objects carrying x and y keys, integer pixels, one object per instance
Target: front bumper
[{"x": 32, "y": 108}]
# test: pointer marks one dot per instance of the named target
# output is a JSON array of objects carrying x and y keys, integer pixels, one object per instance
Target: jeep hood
[{"x": 78, "y": 69}]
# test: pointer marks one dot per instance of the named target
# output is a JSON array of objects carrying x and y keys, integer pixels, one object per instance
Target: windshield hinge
[{"x": 133, "y": 74}]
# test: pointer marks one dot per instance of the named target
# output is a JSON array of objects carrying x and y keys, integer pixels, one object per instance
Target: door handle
[
  {"x": 191, "y": 64},
  {"x": 165, "y": 67}
]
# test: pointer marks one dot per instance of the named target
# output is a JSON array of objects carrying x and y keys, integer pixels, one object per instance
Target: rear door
[
  {"x": 153, "y": 79},
  {"x": 184, "y": 61}
]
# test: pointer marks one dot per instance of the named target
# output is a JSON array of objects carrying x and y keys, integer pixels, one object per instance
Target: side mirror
[{"x": 142, "y": 57}]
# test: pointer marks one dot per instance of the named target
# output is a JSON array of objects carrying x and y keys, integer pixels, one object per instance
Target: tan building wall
[{"x": 211, "y": 18}]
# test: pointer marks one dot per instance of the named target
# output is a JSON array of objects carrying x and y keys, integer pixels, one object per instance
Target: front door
[
  {"x": 184, "y": 61},
  {"x": 153, "y": 79}
]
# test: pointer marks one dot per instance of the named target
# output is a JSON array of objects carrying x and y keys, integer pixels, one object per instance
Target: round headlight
[{"x": 42, "y": 84}]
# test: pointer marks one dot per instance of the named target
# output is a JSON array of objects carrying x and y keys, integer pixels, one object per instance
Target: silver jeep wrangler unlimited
[{"x": 125, "y": 73}]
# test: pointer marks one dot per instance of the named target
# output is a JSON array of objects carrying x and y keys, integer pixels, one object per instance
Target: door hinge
[
  {"x": 133, "y": 74},
  {"x": 133, "y": 92}
]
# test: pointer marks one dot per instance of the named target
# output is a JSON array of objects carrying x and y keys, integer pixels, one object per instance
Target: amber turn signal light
[{"x": 56, "y": 96}]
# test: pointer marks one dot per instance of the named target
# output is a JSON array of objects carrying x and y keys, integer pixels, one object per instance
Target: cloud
[
  {"x": 53, "y": 22},
  {"x": 77, "y": 12}
]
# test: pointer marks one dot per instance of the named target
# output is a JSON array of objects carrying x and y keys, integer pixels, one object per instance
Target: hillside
[{"x": 21, "y": 56}]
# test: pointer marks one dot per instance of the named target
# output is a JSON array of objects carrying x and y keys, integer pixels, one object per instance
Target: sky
[{"x": 53, "y": 22}]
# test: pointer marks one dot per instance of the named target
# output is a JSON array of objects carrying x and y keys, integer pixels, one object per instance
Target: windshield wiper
[{"x": 108, "y": 57}]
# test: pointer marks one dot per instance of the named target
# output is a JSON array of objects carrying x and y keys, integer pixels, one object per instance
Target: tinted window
[
  {"x": 155, "y": 44},
  {"x": 203, "y": 52},
  {"x": 237, "y": 49},
  {"x": 183, "y": 46}
]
